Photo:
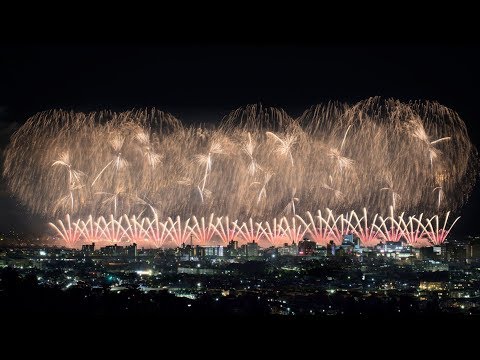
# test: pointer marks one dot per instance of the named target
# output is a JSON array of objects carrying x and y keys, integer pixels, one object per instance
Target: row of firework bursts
[
  {"x": 322, "y": 227},
  {"x": 256, "y": 162}
]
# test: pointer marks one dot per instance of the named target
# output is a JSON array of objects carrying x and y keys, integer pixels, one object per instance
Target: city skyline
[{"x": 189, "y": 182}]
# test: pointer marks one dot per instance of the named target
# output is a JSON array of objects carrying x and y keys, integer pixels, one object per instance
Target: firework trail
[
  {"x": 151, "y": 233},
  {"x": 226, "y": 229},
  {"x": 273, "y": 234},
  {"x": 257, "y": 163}
]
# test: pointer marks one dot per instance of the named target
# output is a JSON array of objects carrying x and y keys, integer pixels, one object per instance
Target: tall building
[
  {"x": 115, "y": 250},
  {"x": 473, "y": 250},
  {"x": 306, "y": 247},
  {"x": 288, "y": 250},
  {"x": 356, "y": 242},
  {"x": 88, "y": 249},
  {"x": 348, "y": 239},
  {"x": 455, "y": 252},
  {"x": 250, "y": 249},
  {"x": 186, "y": 252},
  {"x": 111, "y": 250},
  {"x": 331, "y": 248},
  {"x": 232, "y": 248},
  {"x": 213, "y": 250},
  {"x": 426, "y": 253},
  {"x": 199, "y": 251},
  {"x": 131, "y": 250}
]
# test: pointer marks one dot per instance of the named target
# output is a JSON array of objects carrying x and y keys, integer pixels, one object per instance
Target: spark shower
[{"x": 380, "y": 169}]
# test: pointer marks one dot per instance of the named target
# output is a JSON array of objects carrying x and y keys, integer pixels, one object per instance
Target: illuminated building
[
  {"x": 111, "y": 250},
  {"x": 115, "y": 250},
  {"x": 347, "y": 239},
  {"x": 213, "y": 250},
  {"x": 199, "y": 251},
  {"x": 306, "y": 247},
  {"x": 321, "y": 251},
  {"x": 331, "y": 248},
  {"x": 473, "y": 250},
  {"x": 455, "y": 252},
  {"x": 131, "y": 250},
  {"x": 432, "y": 286},
  {"x": 434, "y": 266},
  {"x": 88, "y": 249},
  {"x": 250, "y": 249},
  {"x": 287, "y": 249},
  {"x": 232, "y": 248}
]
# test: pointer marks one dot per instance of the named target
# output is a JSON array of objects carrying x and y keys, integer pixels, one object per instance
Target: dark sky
[{"x": 203, "y": 82}]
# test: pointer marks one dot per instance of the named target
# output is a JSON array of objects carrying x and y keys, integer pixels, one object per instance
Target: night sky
[{"x": 202, "y": 82}]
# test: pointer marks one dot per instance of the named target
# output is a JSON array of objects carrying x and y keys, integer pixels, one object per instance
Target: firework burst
[{"x": 258, "y": 163}]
